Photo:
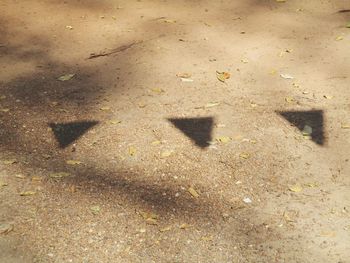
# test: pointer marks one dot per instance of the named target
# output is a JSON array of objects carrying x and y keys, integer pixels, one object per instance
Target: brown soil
[{"x": 145, "y": 143}]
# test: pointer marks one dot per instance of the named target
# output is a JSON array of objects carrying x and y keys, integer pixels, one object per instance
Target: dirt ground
[{"x": 145, "y": 155}]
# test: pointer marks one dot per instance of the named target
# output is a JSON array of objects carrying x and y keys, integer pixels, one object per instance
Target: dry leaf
[
  {"x": 20, "y": 176},
  {"x": 156, "y": 142},
  {"x": 296, "y": 188},
  {"x": 223, "y": 139},
  {"x": 166, "y": 154},
  {"x": 115, "y": 122},
  {"x": 4, "y": 110},
  {"x": 69, "y": 27},
  {"x": 193, "y": 192},
  {"x": 338, "y": 38},
  {"x": 184, "y": 226},
  {"x": 211, "y": 104},
  {"x": 244, "y": 155},
  {"x": 184, "y": 75},
  {"x": 151, "y": 221},
  {"x": 289, "y": 99},
  {"x": 158, "y": 90},
  {"x": 59, "y": 175},
  {"x": 95, "y": 209},
  {"x": 247, "y": 200},
  {"x": 207, "y": 238},
  {"x": 3, "y": 184},
  {"x": 345, "y": 125},
  {"x": 73, "y": 162},
  {"x": 132, "y": 151},
  {"x": 147, "y": 215},
  {"x": 286, "y": 76},
  {"x": 11, "y": 161},
  {"x": 222, "y": 76},
  {"x": 105, "y": 108},
  {"x": 66, "y": 77},
  {"x": 165, "y": 229},
  {"x": 27, "y": 193},
  {"x": 328, "y": 97},
  {"x": 5, "y": 228}
]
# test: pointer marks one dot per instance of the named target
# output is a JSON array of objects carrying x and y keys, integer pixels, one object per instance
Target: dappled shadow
[
  {"x": 199, "y": 130},
  {"x": 67, "y": 133},
  {"x": 310, "y": 123}
]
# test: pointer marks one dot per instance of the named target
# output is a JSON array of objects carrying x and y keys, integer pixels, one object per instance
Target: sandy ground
[{"x": 127, "y": 162}]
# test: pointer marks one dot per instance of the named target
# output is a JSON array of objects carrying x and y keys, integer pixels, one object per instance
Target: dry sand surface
[{"x": 175, "y": 131}]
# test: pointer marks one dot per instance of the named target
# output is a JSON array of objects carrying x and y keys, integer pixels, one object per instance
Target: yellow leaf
[
  {"x": 4, "y": 110},
  {"x": 345, "y": 125},
  {"x": 156, "y": 142},
  {"x": 11, "y": 161},
  {"x": 95, "y": 209},
  {"x": 338, "y": 38},
  {"x": 223, "y": 139},
  {"x": 59, "y": 175},
  {"x": 20, "y": 176},
  {"x": 132, "y": 151},
  {"x": 3, "y": 184},
  {"x": 158, "y": 90},
  {"x": 105, "y": 108},
  {"x": 244, "y": 155},
  {"x": 169, "y": 21},
  {"x": 222, "y": 76},
  {"x": 184, "y": 226},
  {"x": 165, "y": 229},
  {"x": 193, "y": 192},
  {"x": 211, "y": 104},
  {"x": 115, "y": 122},
  {"x": 73, "y": 162},
  {"x": 27, "y": 193},
  {"x": 147, "y": 215},
  {"x": 66, "y": 77},
  {"x": 184, "y": 75},
  {"x": 289, "y": 99},
  {"x": 166, "y": 154},
  {"x": 296, "y": 188},
  {"x": 207, "y": 238}
]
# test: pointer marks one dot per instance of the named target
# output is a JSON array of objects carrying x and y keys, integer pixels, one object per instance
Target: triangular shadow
[
  {"x": 313, "y": 119},
  {"x": 197, "y": 129},
  {"x": 66, "y": 133}
]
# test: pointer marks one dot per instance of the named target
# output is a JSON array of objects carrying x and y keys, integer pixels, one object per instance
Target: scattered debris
[
  {"x": 66, "y": 77},
  {"x": 73, "y": 162},
  {"x": 193, "y": 192},
  {"x": 27, "y": 193},
  {"x": 5, "y": 228},
  {"x": 95, "y": 209},
  {"x": 247, "y": 200},
  {"x": 222, "y": 76}
]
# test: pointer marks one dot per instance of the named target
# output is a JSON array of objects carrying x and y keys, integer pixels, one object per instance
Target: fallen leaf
[
  {"x": 5, "y": 228},
  {"x": 20, "y": 176},
  {"x": 115, "y": 122},
  {"x": 296, "y": 188},
  {"x": 151, "y": 221},
  {"x": 193, "y": 192},
  {"x": 169, "y": 21},
  {"x": 3, "y": 184},
  {"x": 223, "y": 139},
  {"x": 66, "y": 77},
  {"x": 186, "y": 80},
  {"x": 73, "y": 162},
  {"x": 211, "y": 104},
  {"x": 184, "y": 75},
  {"x": 307, "y": 131},
  {"x": 328, "y": 97},
  {"x": 147, "y": 215},
  {"x": 11, "y": 161},
  {"x": 286, "y": 76},
  {"x": 347, "y": 25},
  {"x": 166, "y": 153},
  {"x": 345, "y": 125},
  {"x": 207, "y": 238},
  {"x": 69, "y": 27},
  {"x": 105, "y": 108},
  {"x": 289, "y": 99},
  {"x": 2, "y": 97},
  {"x": 27, "y": 193},
  {"x": 4, "y": 110},
  {"x": 36, "y": 178},
  {"x": 95, "y": 209},
  {"x": 184, "y": 226},
  {"x": 222, "y": 76},
  {"x": 338, "y": 38},
  {"x": 165, "y": 229},
  {"x": 158, "y": 90},
  {"x": 156, "y": 142},
  {"x": 244, "y": 155},
  {"x": 132, "y": 151},
  {"x": 59, "y": 175},
  {"x": 245, "y": 61},
  {"x": 281, "y": 1}
]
